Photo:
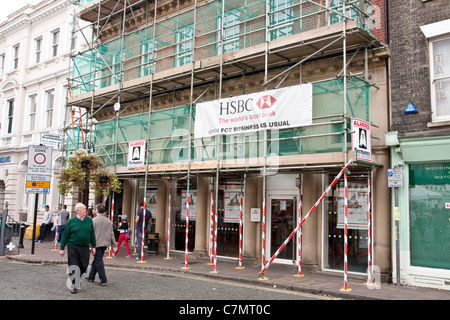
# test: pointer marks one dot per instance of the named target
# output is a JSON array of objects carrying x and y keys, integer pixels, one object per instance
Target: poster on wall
[
  {"x": 283, "y": 108},
  {"x": 192, "y": 205},
  {"x": 232, "y": 205},
  {"x": 361, "y": 139},
  {"x": 357, "y": 207},
  {"x": 136, "y": 154},
  {"x": 151, "y": 201}
]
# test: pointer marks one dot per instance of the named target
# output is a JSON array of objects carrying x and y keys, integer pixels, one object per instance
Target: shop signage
[
  {"x": 255, "y": 215},
  {"x": 274, "y": 109},
  {"x": 39, "y": 169},
  {"x": 429, "y": 173},
  {"x": 5, "y": 159},
  {"x": 361, "y": 142},
  {"x": 136, "y": 154}
]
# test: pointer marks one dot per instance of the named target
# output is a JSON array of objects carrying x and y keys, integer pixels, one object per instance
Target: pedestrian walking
[
  {"x": 104, "y": 236},
  {"x": 78, "y": 235},
  {"x": 64, "y": 216},
  {"x": 124, "y": 236}
]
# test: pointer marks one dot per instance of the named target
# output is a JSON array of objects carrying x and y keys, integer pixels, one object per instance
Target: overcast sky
[{"x": 10, "y": 6}]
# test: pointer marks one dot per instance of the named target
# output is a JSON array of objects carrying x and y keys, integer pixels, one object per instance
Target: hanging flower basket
[{"x": 83, "y": 165}]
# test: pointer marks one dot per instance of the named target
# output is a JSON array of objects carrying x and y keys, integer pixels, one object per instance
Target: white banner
[
  {"x": 361, "y": 139},
  {"x": 136, "y": 154},
  {"x": 275, "y": 109}
]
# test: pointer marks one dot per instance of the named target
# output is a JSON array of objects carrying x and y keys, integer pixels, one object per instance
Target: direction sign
[
  {"x": 51, "y": 140},
  {"x": 39, "y": 169}
]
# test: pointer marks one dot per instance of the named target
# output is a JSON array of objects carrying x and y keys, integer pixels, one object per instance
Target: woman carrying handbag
[{"x": 124, "y": 235}]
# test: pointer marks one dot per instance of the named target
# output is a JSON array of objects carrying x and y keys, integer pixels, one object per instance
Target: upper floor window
[
  {"x": 32, "y": 112},
  {"x": 15, "y": 55},
  {"x": 231, "y": 29},
  {"x": 37, "y": 49},
  {"x": 2, "y": 65},
  {"x": 55, "y": 42},
  {"x": 185, "y": 42},
  {"x": 50, "y": 100},
  {"x": 440, "y": 78},
  {"x": 281, "y": 17},
  {"x": 439, "y": 54},
  {"x": 10, "y": 104}
]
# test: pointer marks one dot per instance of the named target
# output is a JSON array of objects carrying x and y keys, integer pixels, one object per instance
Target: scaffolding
[
  {"x": 204, "y": 45},
  {"x": 158, "y": 59}
]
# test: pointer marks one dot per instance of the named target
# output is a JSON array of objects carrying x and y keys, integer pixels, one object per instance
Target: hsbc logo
[
  {"x": 246, "y": 105},
  {"x": 266, "y": 102}
]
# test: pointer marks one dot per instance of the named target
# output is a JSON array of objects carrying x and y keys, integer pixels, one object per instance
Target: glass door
[{"x": 282, "y": 223}]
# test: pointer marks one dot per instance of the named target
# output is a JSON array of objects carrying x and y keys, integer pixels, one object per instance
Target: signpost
[
  {"x": 38, "y": 177},
  {"x": 51, "y": 140},
  {"x": 395, "y": 180}
]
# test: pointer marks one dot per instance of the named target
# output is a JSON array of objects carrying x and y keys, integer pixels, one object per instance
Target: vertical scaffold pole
[
  {"x": 211, "y": 230},
  {"x": 345, "y": 289},
  {"x": 168, "y": 222},
  {"x": 240, "y": 235},
  {"x": 369, "y": 232},
  {"x": 299, "y": 237},
  {"x": 215, "y": 226},
  {"x": 143, "y": 230},
  {"x": 186, "y": 242}
]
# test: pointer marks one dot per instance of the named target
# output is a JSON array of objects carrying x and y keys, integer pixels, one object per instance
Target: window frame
[{"x": 434, "y": 94}]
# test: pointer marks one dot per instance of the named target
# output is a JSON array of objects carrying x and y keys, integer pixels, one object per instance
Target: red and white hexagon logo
[{"x": 266, "y": 102}]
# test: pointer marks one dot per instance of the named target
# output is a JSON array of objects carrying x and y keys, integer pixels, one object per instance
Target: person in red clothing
[{"x": 124, "y": 235}]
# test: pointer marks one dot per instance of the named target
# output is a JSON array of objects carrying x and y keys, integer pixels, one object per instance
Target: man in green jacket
[{"x": 78, "y": 235}]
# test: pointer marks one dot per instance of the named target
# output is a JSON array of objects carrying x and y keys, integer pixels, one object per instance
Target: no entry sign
[{"x": 39, "y": 169}]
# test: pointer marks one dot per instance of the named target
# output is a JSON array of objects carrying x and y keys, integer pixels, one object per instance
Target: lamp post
[{"x": 85, "y": 164}]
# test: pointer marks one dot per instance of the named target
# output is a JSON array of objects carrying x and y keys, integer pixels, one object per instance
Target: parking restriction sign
[{"x": 39, "y": 169}]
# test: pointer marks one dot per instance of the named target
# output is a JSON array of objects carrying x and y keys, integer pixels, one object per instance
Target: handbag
[{"x": 127, "y": 236}]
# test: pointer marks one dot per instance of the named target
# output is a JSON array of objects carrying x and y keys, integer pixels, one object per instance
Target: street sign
[
  {"x": 39, "y": 169},
  {"x": 51, "y": 140},
  {"x": 395, "y": 177}
]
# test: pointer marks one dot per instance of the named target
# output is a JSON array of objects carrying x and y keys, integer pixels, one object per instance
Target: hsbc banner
[{"x": 275, "y": 109}]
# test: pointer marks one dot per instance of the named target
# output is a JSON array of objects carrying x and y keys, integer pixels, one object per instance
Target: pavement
[{"x": 278, "y": 275}]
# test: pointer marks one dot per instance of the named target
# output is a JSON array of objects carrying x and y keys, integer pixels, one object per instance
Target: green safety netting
[
  {"x": 168, "y": 140},
  {"x": 170, "y": 42}
]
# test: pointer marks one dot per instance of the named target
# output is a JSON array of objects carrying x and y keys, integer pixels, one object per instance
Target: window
[
  {"x": 37, "y": 49},
  {"x": 55, "y": 42},
  {"x": 281, "y": 20},
  {"x": 440, "y": 79},
  {"x": 32, "y": 113},
  {"x": 184, "y": 38},
  {"x": 50, "y": 98},
  {"x": 429, "y": 191},
  {"x": 230, "y": 31},
  {"x": 148, "y": 57},
  {"x": 10, "y": 115},
  {"x": 2, "y": 65},
  {"x": 16, "y": 57}
]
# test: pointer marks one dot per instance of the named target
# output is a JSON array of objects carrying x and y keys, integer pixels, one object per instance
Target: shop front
[
  {"x": 255, "y": 175},
  {"x": 424, "y": 210}
]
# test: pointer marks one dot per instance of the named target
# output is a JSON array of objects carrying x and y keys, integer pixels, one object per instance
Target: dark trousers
[
  {"x": 98, "y": 265},
  {"x": 78, "y": 260},
  {"x": 43, "y": 231}
]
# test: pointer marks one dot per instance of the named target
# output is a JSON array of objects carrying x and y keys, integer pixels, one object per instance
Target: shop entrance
[
  {"x": 282, "y": 220},
  {"x": 357, "y": 224}
]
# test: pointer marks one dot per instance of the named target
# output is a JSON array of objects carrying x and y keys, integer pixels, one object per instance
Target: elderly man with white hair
[{"x": 78, "y": 235}]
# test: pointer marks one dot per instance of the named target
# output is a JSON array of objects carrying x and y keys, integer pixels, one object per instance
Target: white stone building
[{"x": 35, "y": 47}]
